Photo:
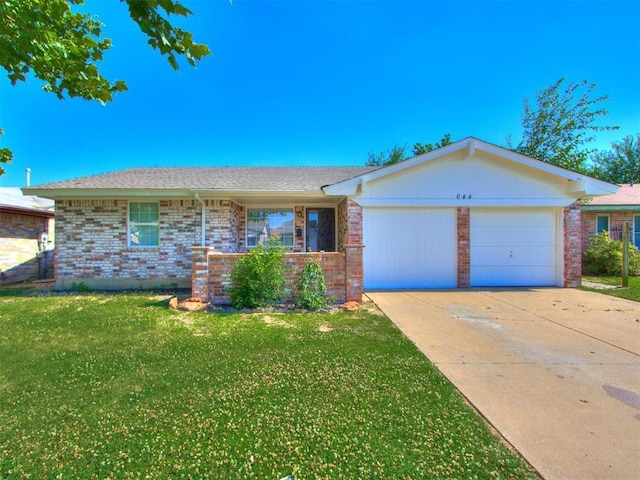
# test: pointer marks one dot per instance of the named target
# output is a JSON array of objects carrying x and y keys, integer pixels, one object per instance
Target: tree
[
  {"x": 420, "y": 148},
  {"x": 621, "y": 164},
  {"x": 5, "y": 155},
  {"x": 398, "y": 153},
  {"x": 561, "y": 124},
  {"x": 394, "y": 155},
  {"x": 62, "y": 47}
]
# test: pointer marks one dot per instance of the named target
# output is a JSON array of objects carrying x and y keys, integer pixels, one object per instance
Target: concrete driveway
[{"x": 555, "y": 371}]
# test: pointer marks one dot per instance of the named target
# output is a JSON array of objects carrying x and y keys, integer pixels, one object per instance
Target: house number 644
[{"x": 463, "y": 196}]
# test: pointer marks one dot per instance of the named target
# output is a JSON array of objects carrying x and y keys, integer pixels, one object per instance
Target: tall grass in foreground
[{"x": 101, "y": 386}]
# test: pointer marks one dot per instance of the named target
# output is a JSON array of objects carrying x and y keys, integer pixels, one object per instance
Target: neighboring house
[
  {"x": 468, "y": 214},
  {"x": 26, "y": 236},
  {"x": 610, "y": 212}
]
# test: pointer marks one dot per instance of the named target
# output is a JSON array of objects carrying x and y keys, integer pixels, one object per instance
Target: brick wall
[
  {"x": 225, "y": 226},
  {"x": 343, "y": 270},
  {"x": 92, "y": 244},
  {"x": 343, "y": 225},
  {"x": 572, "y": 240},
  {"x": 464, "y": 247},
  {"x": 220, "y": 266},
  {"x": 351, "y": 238},
  {"x": 20, "y": 235},
  {"x": 616, "y": 221}
]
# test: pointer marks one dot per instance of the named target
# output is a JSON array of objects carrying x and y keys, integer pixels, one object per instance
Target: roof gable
[{"x": 577, "y": 184}]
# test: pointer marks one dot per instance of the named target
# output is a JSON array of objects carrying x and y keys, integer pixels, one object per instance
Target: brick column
[
  {"x": 572, "y": 245},
  {"x": 354, "y": 270},
  {"x": 464, "y": 247},
  {"x": 354, "y": 273},
  {"x": 200, "y": 273}
]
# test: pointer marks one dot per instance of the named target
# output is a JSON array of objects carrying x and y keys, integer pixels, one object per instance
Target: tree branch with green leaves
[
  {"x": 61, "y": 46},
  {"x": 561, "y": 124},
  {"x": 621, "y": 164},
  {"x": 398, "y": 153}
]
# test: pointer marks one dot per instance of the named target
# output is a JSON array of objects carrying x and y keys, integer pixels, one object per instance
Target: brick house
[
  {"x": 468, "y": 214},
  {"x": 610, "y": 212},
  {"x": 26, "y": 236}
]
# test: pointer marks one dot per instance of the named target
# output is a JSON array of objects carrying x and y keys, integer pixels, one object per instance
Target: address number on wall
[{"x": 463, "y": 196}]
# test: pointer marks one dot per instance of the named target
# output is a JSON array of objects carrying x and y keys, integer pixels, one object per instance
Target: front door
[{"x": 321, "y": 231}]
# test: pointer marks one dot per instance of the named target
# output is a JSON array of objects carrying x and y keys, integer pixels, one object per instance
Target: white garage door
[
  {"x": 513, "y": 247},
  {"x": 409, "y": 248}
]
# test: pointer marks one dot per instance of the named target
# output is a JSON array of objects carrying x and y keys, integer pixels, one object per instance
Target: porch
[{"x": 211, "y": 273}]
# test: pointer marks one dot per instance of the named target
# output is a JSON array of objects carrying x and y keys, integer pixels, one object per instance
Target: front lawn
[
  {"x": 118, "y": 386},
  {"x": 632, "y": 292}
]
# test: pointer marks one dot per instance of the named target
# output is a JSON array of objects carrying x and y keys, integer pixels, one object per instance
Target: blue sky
[{"x": 324, "y": 83}]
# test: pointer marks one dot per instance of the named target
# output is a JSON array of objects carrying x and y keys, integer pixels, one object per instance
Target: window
[
  {"x": 602, "y": 223},
  {"x": 144, "y": 224},
  {"x": 636, "y": 231},
  {"x": 269, "y": 223}
]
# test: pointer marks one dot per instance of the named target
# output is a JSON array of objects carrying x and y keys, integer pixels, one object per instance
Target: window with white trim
[
  {"x": 144, "y": 224},
  {"x": 602, "y": 223},
  {"x": 636, "y": 230},
  {"x": 264, "y": 224}
]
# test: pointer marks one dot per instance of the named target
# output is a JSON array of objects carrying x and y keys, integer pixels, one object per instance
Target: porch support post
[
  {"x": 572, "y": 240},
  {"x": 354, "y": 258},
  {"x": 200, "y": 273},
  {"x": 464, "y": 247},
  {"x": 353, "y": 272}
]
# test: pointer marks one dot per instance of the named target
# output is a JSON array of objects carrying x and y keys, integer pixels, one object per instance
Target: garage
[
  {"x": 515, "y": 247},
  {"x": 470, "y": 214},
  {"x": 409, "y": 248}
]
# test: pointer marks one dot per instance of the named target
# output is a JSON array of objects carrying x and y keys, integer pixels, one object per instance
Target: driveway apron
[{"x": 555, "y": 371}]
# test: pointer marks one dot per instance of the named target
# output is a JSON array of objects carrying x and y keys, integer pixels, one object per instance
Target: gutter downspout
[{"x": 204, "y": 221}]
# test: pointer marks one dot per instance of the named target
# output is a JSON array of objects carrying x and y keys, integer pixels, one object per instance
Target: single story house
[
  {"x": 26, "y": 236},
  {"x": 610, "y": 212},
  {"x": 470, "y": 214}
]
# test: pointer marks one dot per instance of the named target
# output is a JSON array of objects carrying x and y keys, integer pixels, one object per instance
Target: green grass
[
  {"x": 632, "y": 292},
  {"x": 118, "y": 386}
]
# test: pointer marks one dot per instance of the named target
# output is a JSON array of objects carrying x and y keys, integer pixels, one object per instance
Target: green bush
[
  {"x": 257, "y": 279},
  {"x": 79, "y": 287},
  {"x": 311, "y": 287},
  {"x": 604, "y": 257}
]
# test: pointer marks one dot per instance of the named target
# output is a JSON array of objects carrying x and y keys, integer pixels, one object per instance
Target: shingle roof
[
  {"x": 626, "y": 195},
  {"x": 215, "y": 178}
]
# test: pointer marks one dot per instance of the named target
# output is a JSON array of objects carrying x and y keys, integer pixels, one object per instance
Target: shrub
[
  {"x": 79, "y": 287},
  {"x": 257, "y": 279},
  {"x": 311, "y": 287},
  {"x": 604, "y": 256}
]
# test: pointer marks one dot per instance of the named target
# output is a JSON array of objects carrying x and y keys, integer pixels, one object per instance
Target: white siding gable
[
  {"x": 459, "y": 179},
  {"x": 492, "y": 175}
]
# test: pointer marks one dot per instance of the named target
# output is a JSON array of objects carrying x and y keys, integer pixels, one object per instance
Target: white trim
[
  {"x": 96, "y": 193},
  {"x": 474, "y": 202},
  {"x": 585, "y": 185},
  {"x": 157, "y": 224},
  {"x": 203, "y": 233},
  {"x": 560, "y": 243}
]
